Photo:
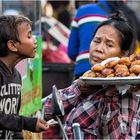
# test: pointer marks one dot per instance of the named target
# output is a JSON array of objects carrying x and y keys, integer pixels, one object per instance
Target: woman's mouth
[{"x": 96, "y": 58}]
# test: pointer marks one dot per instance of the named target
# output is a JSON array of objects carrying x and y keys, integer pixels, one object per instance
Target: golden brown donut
[
  {"x": 98, "y": 74},
  {"x": 135, "y": 69},
  {"x": 132, "y": 74},
  {"x": 89, "y": 73},
  {"x": 136, "y": 62},
  {"x": 107, "y": 71},
  {"x": 122, "y": 72},
  {"x": 111, "y": 75},
  {"x": 132, "y": 57},
  {"x": 125, "y": 61},
  {"x": 97, "y": 68},
  {"x": 111, "y": 64},
  {"x": 120, "y": 66},
  {"x": 86, "y": 73}
]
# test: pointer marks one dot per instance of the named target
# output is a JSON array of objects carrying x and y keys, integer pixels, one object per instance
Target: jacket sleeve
[
  {"x": 17, "y": 123},
  {"x": 70, "y": 96}
]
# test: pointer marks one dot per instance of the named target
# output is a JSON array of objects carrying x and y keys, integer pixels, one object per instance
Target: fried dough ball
[
  {"x": 120, "y": 66},
  {"x": 125, "y": 61},
  {"x": 107, "y": 71},
  {"x": 112, "y": 67},
  {"x": 132, "y": 57},
  {"x": 111, "y": 75},
  {"x": 97, "y": 68},
  {"x": 86, "y": 73},
  {"x": 121, "y": 69},
  {"x": 135, "y": 69},
  {"x": 132, "y": 74},
  {"x": 98, "y": 74},
  {"x": 136, "y": 62},
  {"x": 89, "y": 73},
  {"x": 122, "y": 72},
  {"x": 111, "y": 64}
]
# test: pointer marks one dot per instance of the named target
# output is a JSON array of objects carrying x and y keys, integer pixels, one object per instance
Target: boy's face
[{"x": 26, "y": 48}]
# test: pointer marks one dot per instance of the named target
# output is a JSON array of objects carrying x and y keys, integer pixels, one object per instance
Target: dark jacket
[{"x": 10, "y": 96}]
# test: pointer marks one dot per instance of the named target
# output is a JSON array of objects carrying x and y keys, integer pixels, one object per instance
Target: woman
[{"x": 102, "y": 112}]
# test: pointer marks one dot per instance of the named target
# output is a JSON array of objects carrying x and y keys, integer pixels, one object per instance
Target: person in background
[
  {"x": 16, "y": 43},
  {"x": 61, "y": 11},
  {"x": 84, "y": 24},
  {"x": 102, "y": 111}
]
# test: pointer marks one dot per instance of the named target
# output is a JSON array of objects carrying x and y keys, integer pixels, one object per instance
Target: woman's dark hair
[
  {"x": 9, "y": 30},
  {"x": 119, "y": 22},
  {"x": 129, "y": 14}
]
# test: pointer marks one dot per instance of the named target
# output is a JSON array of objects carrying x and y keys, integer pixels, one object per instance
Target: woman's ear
[{"x": 12, "y": 46}]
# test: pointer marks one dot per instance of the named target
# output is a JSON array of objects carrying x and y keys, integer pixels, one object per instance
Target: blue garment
[{"x": 83, "y": 27}]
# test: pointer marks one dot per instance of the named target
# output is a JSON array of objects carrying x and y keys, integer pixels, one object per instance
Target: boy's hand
[{"x": 41, "y": 125}]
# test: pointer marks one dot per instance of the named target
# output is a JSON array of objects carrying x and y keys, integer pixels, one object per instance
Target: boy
[{"x": 16, "y": 43}]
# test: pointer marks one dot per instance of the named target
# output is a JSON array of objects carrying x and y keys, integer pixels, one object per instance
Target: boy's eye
[{"x": 30, "y": 35}]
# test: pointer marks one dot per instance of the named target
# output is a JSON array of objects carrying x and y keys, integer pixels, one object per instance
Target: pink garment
[{"x": 56, "y": 55}]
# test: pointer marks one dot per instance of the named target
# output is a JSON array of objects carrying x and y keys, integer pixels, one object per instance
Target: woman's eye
[
  {"x": 110, "y": 45},
  {"x": 96, "y": 41}
]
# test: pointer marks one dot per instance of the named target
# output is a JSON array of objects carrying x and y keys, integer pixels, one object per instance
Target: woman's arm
[{"x": 70, "y": 97}]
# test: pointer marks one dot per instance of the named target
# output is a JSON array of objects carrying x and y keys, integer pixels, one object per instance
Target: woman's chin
[{"x": 93, "y": 63}]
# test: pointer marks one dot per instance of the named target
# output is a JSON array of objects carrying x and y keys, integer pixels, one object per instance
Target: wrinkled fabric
[{"x": 105, "y": 114}]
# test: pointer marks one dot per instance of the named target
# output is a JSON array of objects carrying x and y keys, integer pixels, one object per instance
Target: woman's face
[{"x": 105, "y": 44}]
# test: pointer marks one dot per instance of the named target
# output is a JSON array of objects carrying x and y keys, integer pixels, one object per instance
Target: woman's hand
[
  {"x": 88, "y": 89},
  {"x": 41, "y": 125},
  {"x": 135, "y": 88}
]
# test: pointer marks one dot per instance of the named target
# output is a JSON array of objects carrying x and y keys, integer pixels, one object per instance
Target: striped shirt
[{"x": 101, "y": 116}]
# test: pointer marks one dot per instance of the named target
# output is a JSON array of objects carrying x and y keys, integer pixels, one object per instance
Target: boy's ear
[{"x": 12, "y": 46}]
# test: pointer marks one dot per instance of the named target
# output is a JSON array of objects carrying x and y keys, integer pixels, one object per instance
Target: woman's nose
[{"x": 99, "y": 48}]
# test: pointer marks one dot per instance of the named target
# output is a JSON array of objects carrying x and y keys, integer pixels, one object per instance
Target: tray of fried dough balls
[{"x": 114, "y": 71}]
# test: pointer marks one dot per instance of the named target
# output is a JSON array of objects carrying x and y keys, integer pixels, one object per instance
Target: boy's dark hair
[
  {"x": 9, "y": 30},
  {"x": 118, "y": 21}
]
